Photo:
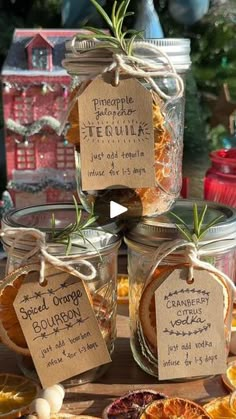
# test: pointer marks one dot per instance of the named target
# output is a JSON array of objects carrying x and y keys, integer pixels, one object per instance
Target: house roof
[
  {"x": 16, "y": 62},
  {"x": 41, "y": 37}
]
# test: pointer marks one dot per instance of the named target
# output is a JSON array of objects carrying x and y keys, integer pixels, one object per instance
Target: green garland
[{"x": 44, "y": 184}]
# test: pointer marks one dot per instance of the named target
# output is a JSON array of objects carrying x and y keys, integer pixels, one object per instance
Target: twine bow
[
  {"x": 133, "y": 66},
  {"x": 147, "y": 69},
  {"x": 191, "y": 257},
  {"x": 40, "y": 247}
]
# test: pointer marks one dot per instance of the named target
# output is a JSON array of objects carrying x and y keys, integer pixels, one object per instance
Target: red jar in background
[{"x": 220, "y": 178}]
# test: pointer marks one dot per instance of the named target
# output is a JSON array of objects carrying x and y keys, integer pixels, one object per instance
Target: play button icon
[
  {"x": 116, "y": 209},
  {"x": 119, "y": 205}
]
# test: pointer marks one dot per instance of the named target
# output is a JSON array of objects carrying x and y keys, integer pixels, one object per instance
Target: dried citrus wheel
[
  {"x": 234, "y": 316},
  {"x": 131, "y": 404},
  {"x": 220, "y": 408},
  {"x": 229, "y": 378},
  {"x": 174, "y": 408},
  {"x": 147, "y": 312},
  {"x": 10, "y": 330},
  {"x": 71, "y": 416},
  {"x": 16, "y": 394},
  {"x": 123, "y": 288}
]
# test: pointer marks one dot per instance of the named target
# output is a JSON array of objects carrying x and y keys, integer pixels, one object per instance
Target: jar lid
[
  {"x": 82, "y": 58},
  {"x": 40, "y": 217},
  {"x": 163, "y": 227},
  {"x": 224, "y": 156}
]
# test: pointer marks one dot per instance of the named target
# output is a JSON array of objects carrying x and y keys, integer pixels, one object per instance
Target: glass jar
[
  {"x": 220, "y": 179},
  {"x": 143, "y": 241},
  {"x": 99, "y": 247},
  {"x": 168, "y": 121}
]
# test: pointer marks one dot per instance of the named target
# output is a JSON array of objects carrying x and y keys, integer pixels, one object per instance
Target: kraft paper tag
[
  {"x": 190, "y": 326},
  {"x": 116, "y": 135},
  {"x": 60, "y": 327}
]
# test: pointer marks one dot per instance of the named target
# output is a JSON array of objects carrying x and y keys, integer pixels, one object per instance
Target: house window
[
  {"x": 40, "y": 58},
  {"x": 25, "y": 156},
  {"x": 65, "y": 156},
  {"x": 23, "y": 108}
]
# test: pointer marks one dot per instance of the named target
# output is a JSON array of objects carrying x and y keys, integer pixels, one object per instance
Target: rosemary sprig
[
  {"x": 73, "y": 229},
  {"x": 118, "y": 39},
  {"x": 198, "y": 231}
]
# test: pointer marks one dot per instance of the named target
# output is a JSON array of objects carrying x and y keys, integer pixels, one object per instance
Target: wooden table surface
[{"x": 122, "y": 376}]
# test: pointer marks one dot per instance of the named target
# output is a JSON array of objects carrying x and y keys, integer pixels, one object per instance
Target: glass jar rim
[
  {"x": 39, "y": 217},
  {"x": 220, "y": 156},
  {"x": 153, "y": 230},
  {"x": 88, "y": 60}
]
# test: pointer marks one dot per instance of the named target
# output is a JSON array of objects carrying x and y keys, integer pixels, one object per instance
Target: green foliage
[
  {"x": 215, "y": 136},
  {"x": 73, "y": 230},
  {"x": 120, "y": 39},
  {"x": 195, "y": 124},
  {"x": 45, "y": 14},
  {"x": 199, "y": 229},
  {"x": 214, "y": 54}
]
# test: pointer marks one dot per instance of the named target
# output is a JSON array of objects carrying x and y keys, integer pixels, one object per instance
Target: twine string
[
  {"x": 40, "y": 247},
  {"x": 191, "y": 257},
  {"x": 136, "y": 67},
  {"x": 147, "y": 69}
]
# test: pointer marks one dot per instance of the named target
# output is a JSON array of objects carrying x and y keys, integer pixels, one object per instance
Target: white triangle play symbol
[{"x": 116, "y": 209}]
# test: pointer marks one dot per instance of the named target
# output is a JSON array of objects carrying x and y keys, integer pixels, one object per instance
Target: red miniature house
[{"x": 40, "y": 164}]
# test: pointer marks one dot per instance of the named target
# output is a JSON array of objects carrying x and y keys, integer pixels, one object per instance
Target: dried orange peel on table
[
  {"x": 222, "y": 407},
  {"x": 174, "y": 408},
  {"x": 229, "y": 378},
  {"x": 16, "y": 394},
  {"x": 71, "y": 416}
]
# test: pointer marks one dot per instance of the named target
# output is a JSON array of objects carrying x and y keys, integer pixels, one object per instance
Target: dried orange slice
[
  {"x": 229, "y": 378},
  {"x": 174, "y": 408},
  {"x": 71, "y": 416},
  {"x": 147, "y": 312},
  {"x": 123, "y": 288},
  {"x": 234, "y": 316},
  {"x": 16, "y": 394},
  {"x": 131, "y": 404},
  {"x": 10, "y": 330},
  {"x": 220, "y": 408}
]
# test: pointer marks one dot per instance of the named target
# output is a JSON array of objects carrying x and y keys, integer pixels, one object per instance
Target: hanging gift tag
[
  {"x": 59, "y": 326},
  {"x": 190, "y": 325},
  {"x": 116, "y": 135}
]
